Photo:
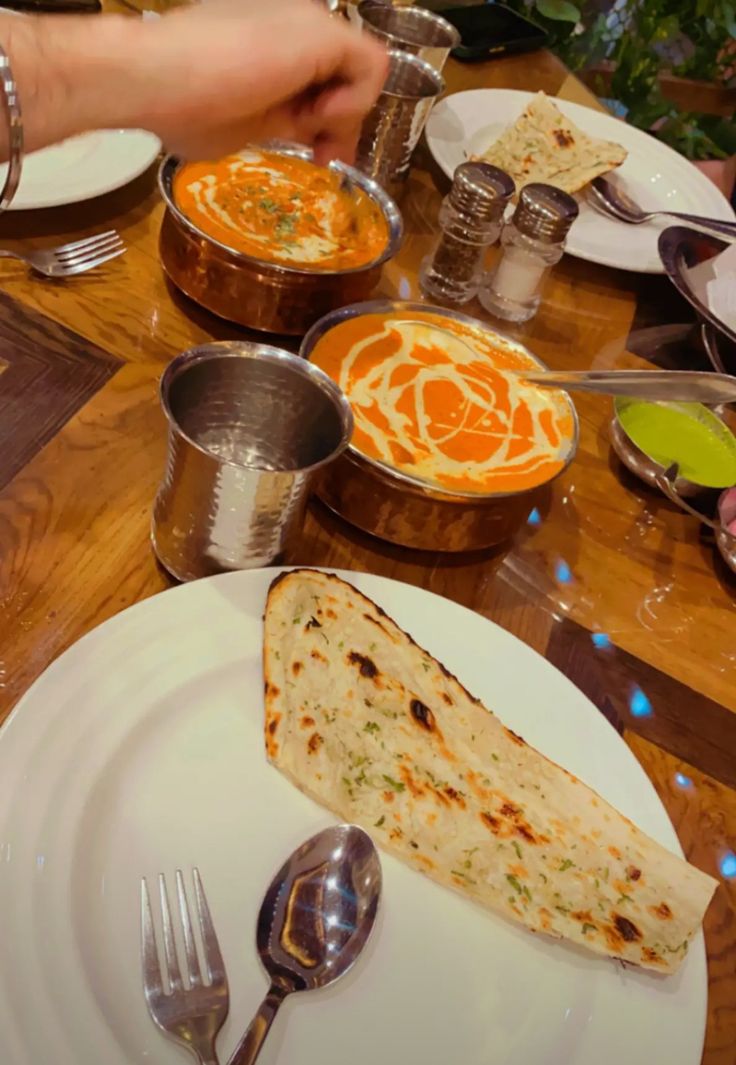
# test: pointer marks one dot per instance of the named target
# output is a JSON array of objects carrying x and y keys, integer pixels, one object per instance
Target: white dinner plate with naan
[
  {"x": 141, "y": 749},
  {"x": 79, "y": 168},
  {"x": 655, "y": 176}
]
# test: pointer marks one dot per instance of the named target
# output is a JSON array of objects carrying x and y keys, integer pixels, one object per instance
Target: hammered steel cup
[
  {"x": 410, "y": 29},
  {"x": 249, "y": 426},
  {"x": 393, "y": 127}
]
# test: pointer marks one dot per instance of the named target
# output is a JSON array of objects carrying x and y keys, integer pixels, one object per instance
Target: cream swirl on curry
[
  {"x": 282, "y": 208},
  {"x": 432, "y": 397}
]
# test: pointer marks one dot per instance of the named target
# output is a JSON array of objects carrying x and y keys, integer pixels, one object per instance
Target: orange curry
[
  {"x": 283, "y": 209},
  {"x": 430, "y": 398}
]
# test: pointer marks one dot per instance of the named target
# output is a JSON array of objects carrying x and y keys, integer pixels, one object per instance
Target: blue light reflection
[
  {"x": 727, "y": 865},
  {"x": 639, "y": 703}
]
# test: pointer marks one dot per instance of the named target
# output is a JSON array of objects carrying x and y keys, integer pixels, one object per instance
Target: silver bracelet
[{"x": 15, "y": 131}]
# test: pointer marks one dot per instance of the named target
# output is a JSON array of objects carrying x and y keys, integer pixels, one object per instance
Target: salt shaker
[
  {"x": 533, "y": 241},
  {"x": 470, "y": 218}
]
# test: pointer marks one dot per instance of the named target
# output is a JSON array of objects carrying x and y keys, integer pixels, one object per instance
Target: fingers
[{"x": 337, "y": 109}]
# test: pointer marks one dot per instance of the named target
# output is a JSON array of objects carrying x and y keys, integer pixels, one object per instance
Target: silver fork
[
  {"x": 194, "y": 1013},
  {"x": 70, "y": 259}
]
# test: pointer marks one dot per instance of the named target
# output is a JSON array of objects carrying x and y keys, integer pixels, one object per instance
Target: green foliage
[{"x": 689, "y": 38}]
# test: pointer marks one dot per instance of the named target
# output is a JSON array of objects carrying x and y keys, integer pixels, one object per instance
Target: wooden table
[{"x": 82, "y": 446}]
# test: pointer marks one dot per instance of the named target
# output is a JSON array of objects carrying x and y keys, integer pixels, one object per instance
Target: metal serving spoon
[
  {"x": 315, "y": 919},
  {"x": 611, "y": 200},
  {"x": 677, "y": 386}
]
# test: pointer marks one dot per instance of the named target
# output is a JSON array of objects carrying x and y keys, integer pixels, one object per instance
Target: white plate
[
  {"x": 82, "y": 167},
  {"x": 141, "y": 749},
  {"x": 656, "y": 177}
]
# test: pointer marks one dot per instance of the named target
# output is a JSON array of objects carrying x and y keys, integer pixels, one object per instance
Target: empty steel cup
[
  {"x": 392, "y": 129},
  {"x": 249, "y": 425},
  {"x": 410, "y": 29}
]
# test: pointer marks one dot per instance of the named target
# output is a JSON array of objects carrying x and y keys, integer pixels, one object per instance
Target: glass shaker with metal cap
[
  {"x": 470, "y": 218},
  {"x": 533, "y": 241}
]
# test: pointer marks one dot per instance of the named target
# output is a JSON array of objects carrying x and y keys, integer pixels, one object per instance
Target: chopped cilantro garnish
[
  {"x": 380, "y": 821},
  {"x": 516, "y": 847},
  {"x": 514, "y": 883},
  {"x": 371, "y": 726},
  {"x": 588, "y": 927},
  {"x": 394, "y": 784},
  {"x": 567, "y": 864}
]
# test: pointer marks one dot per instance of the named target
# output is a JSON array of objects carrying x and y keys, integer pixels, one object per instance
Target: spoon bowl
[
  {"x": 314, "y": 921},
  {"x": 610, "y": 199}
]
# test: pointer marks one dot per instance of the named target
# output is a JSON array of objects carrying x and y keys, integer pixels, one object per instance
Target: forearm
[{"x": 71, "y": 74}]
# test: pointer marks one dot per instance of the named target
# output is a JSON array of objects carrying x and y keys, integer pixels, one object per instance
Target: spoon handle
[
  {"x": 249, "y": 1047},
  {"x": 706, "y": 225}
]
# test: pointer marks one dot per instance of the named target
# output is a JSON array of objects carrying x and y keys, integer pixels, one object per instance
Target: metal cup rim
[
  {"x": 420, "y": 13},
  {"x": 269, "y": 353},
  {"x": 409, "y": 59}
]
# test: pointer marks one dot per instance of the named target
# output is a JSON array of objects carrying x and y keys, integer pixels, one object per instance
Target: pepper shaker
[
  {"x": 533, "y": 241},
  {"x": 470, "y": 217}
]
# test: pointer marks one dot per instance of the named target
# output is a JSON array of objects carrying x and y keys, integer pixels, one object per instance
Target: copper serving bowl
[
  {"x": 265, "y": 295},
  {"x": 395, "y": 506}
]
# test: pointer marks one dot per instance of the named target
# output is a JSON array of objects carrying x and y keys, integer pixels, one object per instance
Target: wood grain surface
[{"x": 604, "y": 557}]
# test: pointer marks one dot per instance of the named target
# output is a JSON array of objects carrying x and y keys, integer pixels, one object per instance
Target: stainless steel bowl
[
  {"x": 395, "y": 506},
  {"x": 680, "y": 249},
  {"x": 255, "y": 293}
]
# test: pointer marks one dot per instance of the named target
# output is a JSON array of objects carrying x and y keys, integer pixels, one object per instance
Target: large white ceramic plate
[
  {"x": 141, "y": 749},
  {"x": 82, "y": 167},
  {"x": 654, "y": 175}
]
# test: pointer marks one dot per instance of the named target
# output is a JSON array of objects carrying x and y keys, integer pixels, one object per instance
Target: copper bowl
[
  {"x": 397, "y": 507},
  {"x": 255, "y": 293}
]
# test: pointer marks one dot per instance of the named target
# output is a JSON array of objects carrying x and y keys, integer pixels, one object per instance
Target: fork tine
[
  {"x": 90, "y": 264},
  {"x": 88, "y": 253},
  {"x": 172, "y": 961},
  {"x": 195, "y": 975},
  {"x": 212, "y": 955},
  {"x": 76, "y": 244},
  {"x": 153, "y": 985}
]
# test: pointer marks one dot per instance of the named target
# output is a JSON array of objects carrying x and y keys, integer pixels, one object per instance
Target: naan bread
[
  {"x": 543, "y": 145},
  {"x": 371, "y": 726}
]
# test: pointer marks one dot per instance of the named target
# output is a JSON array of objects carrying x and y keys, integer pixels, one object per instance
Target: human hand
[{"x": 212, "y": 78}]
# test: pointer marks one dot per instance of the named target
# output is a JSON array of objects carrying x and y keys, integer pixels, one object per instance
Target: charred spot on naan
[
  {"x": 651, "y": 957},
  {"x": 272, "y": 725},
  {"x": 563, "y": 138},
  {"x": 662, "y": 911},
  {"x": 624, "y": 929},
  {"x": 367, "y": 667},
  {"x": 315, "y": 742},
  {"x": 423, "y": 716}
]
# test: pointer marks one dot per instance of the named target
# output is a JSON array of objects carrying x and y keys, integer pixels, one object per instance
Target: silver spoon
[
  {"x": 676, "y": 386},
  {"x": 614, "y": 202},
  {"x": 315, "y": 919}
]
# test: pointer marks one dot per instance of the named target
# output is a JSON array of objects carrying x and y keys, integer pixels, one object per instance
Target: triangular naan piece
[
  {"x": 543, "y": 145},
  {"x": 368, "y": 724}
]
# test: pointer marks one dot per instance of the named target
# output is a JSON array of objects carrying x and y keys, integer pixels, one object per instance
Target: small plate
[
  {"x": 655, "y": 176},
  {"x": 82, "y": 167}
]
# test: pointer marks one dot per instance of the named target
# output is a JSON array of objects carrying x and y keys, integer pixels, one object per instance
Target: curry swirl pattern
[{"x": 433, "y": 397}]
